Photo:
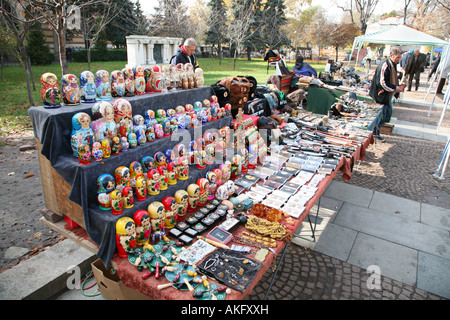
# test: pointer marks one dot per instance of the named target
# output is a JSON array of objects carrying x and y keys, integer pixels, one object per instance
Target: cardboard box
[{"x": 110, "y": 285}]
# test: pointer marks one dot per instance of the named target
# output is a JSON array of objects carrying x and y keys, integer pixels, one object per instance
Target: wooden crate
[{"x": 56, "y": 191}]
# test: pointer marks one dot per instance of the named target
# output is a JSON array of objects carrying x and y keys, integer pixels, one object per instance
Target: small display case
[{"x": 219, "y": 235}]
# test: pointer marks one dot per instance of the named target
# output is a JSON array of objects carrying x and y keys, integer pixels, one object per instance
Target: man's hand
[{"x": 400, "y": 88}]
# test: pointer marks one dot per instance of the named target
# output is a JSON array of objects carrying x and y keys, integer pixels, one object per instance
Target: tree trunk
[
  {"x": 31, "y": 73},
  {"x": 219, "y": 52},
  {"x": 2, "y": 65},
  {"x": 249, "y": 58},
  {"x": 23, "y": 54},
  {"x": 62, "y": 52},
  {"x": 337, "y": 53},
  {"x": 89, "y": 57},
  {"x": 235, "y": 56}
]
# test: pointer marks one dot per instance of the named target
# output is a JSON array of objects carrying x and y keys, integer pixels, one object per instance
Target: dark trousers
[
  {"x": 441, "y": 85},
  {"x": 416, "y": 75}
]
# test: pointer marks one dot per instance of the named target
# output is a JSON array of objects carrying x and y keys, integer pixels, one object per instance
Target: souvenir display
[
  {"x": 193, "y": 191},
  {"x": 128, "y": 75},
  {"x": 153, "y": 182},
  {"x": 50, "y": 93},
  {"x": 103, "y": 84},
  {"x": 170, "y": 205},
  {"x": 182, "y": 168},
  {"x": 181, "y": 197},
  {"x": 123, "y": 117},
  {"x": 103, "y": 123},
  {"x": 87, "y": 89},
  {"x": 148, "y": 163},
  {"x": 116, "y": 202},
  {"x": 143, "y": 227},
  {"x": 141, "y": 188},
  {"x": 70, "y": 90},
  {"x": 164, "y": 180},
  {"x": 157, "y": 214},
  {"x": 203, "y": 184},
  {"x": 81, "y": 131},
  {"x": 117, "y": 83},
  {"x": 84, "y": 154},
  {"x": 122, "y": 177},
  {"x": 172, "y": 173},
  {"x": 128, "y": 197},
  {"x": 97, "y": 153},
  {"x": 139, "y": 80},
  {"x": 106, "y": 148},
  {"x": 125, "y": 236}
]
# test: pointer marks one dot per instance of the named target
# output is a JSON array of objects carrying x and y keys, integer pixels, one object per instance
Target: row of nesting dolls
[
  {"x": 152, "y": 175},
  {"x": 113, "y": 127},
  {"x": 126, "y": 82},
  {"x": 163, "y": 215}
]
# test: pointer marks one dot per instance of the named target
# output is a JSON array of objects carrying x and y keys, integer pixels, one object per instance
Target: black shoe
[
  {"x": 380, "y": 138},
  {"x": 409, "y": 89}
]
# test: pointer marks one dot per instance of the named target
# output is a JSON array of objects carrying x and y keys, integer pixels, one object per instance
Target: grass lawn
[{"x": 14, "y": 98}]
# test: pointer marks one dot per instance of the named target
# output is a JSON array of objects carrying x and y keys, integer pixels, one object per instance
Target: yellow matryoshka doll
[
  {"x": 181, "y": 197},
  {"x": 141, "y": 188},
  {"x": 172, "y": 173},
  {"x": 116, "y": 202},
  {"x": 128, "y": 197},
  {"x": 193, "y": 191},
  {"x": 157, "y": 214},
  {"x": 122, "y": 176},
  {"x": 125, "y": 236}
]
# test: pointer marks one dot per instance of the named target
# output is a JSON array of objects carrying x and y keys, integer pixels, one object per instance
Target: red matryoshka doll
[
  {"x": 160, "y": 159},
  {"x": 128, "y": 75},
  {"x": 70, "y": 90},
  {"x": 157, "y": 214},
  {"x": 116, "y": 146},
  {"x": 136, "y": 170},
  {"x": 157, "y": 79},
  {"x": 50, "y": 93},
  {"x": 148, "y": 163},
  {"x": 164, "y": 184},
  {"x": 122, "y": 176},
  {"x": 125, "y": 236},
  {"x": 141, "y": 188},
  {"x": 105, "y": 184},
  {"x": 117, "y": 83},
  {"x": 148, "y": 80},
  {"x": 143, "y": 227},
  {"x": 103, "y": 84},
  {"x": 172, "y": 173},
  {"x": 181, "y": 197},
  {"x": 203, "y": 184},
  {"x": 212, "y": 179},
  {"x": 116, "y": 202},
  {"x": 182, "y": 168},
  {"x": 139, "y": 80},
  {"x": 189, "y": 108},
  {"x": 128, "y": 197},
  {"x": 171, "y": 212},
  {"x": 193, "y": 150},
  {"x": 226, "y": 171},
  {"x": 153, "y": 182},
  {"x": 193, "y": 191},
  {"x": 218, "y": 174},
  {"x": 106, "y": 148},
  {"x": 84, "y": 154},
  {"x": 150, "y": 133},
  {"x": 201, "y": 159},
  {"x": 123, "y": 117},
  {"x": 236, "y": 166}
]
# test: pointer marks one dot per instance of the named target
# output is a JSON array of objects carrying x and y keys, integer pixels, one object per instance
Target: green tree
[
  {"x": 37, "y": 50},
  {"x": 273, "y": 20},
  {"x": 216, "y": 33}
]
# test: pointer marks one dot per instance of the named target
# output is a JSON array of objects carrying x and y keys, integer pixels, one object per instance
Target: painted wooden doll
[
  {"x": 172, "y": 173},
  {"x": 199, "y": 78},
  {"x": 124, "y": 144},
  {"x": 139, "y": 129},
  {"x": 148, "y": 80},
  {"x": 160, "y": 159},
  {"x": 84, "y": 154},
  {"x": 132, "y": 140},
  {"x": 226, "y": 171},
  {"x": 122, "y": 177},
  {"x": 143, "y": 227},
  {"x": 200, "y": 160},
  {"x": 203, "y": 184},
  {"x": 105, "y": 184},
  {"x": 163, "y": 173},
  {"x": 103, "y": 84},
  {"x": 129, "y": 82},
  {"x": 170, "y": 155},
  {"x": 212, "y": 178},
  {"x": 106, "y": 148},
  {"x": 193, "y": 151},
  {"x": 150, "y": 134},
  {"x": 50, "y": 93},
  {"x": 141, "y": 189},
  {"x": 182, "y": 168},
  {"x": 139, "y": 80},
  {"x": 136, "y": 170},
  {"x": 125, "y": 236},
  {"x": 70, "y": 90},
  {"x": 103, "y": 123},
  {"x": 88, "y": 89},
  {"x": 181, "y": 197},
  {"x": 157, "y": 215},
  {"x": 81, "y": 131},
  {"x": 116, "y": 146},
  {"x": 123, "y": 117},
  {"x": 236, "y": 166},
  {"x": 117, "y": 83},
  {"x": 153, "y": 182},
  {"x": 148, "y": 163},
  {"x": 149, "y": 117},
  {"x": 128, "y": 197},
  {"x": 170, "y": 205},
  {"x": 97, "y": 153},
  {"x": 193, "y": 191},
  {"x": 116, "y": 202},
  {"x": 218, "y": 174}
]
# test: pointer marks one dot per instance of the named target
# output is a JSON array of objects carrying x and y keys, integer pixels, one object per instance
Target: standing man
[
  {"x": 384, "y": 86},
  {"x": 415, "y": 65},
  {"x": 185, "y": 53}
]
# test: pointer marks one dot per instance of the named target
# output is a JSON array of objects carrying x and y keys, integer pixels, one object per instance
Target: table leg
[{"x": 276, "y": 271}]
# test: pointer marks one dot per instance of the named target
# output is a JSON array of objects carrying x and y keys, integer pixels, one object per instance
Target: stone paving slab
[
  {"x": 435, "y": 216},
  {"x": 433, "y": 274},
  {"x": 401, "y": 207},
  {"x": 349, "y": 193}
]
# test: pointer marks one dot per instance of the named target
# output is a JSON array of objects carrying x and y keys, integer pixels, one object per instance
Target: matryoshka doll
[
  {"x": 103, "y": 123},
  {"x": 97, "y": 153},
  {"x": 136, "y": 170},
  {"x": 226, "y": 171},
  {"x": 132, "y": 140},
  {"x": 199, "y": 79},
  {"x": 181, "y": 197},
  {"x": 106, "y": 148},
  {"x": 148, "y": 80},
  {"x": 105, "y": 184},
  {"x": 84, "y": 154},
  {"x": 88, "y": 90},
  {"x": 148, "y": 163},
  {"x": 166, "y": 127},
  {"x": 127, "y": 197},
  {"x": 149, "y": 117},
  {"x": 160, "y": 115},
  {"x": 157, "y": 214},
  {"x": 157, "y": 79},
  {"x": 117, "y": 83},
  {"x": 236, "y": 166},
  {"x": 81, "y": 131},
  {"x": 122, "y": 177},
  {"x": 141, "y": 189},
  {"x": 243, "y": 152},
  {"x": 218, "y": 174},
  {"x": 193, "y": 191},
  {"x": 172, "y": 173},
  {"x": 124, "y": 144},
  {"x": 70, "y": 90},
  {"x": 128, "y": 75},
  {"x": 125, "y": 236},
  {"x": 143, "y": 227},
  {"x": 153, "y": 182},
  {"x": 116, "y": 202},
  {"x": 123, "y": 117},
  {"x": 164, "y": 184},
  {"x": 150, "y": 133},
  {"x": 227, "y": 108},
  {"x": 171, "y": 212},
  {"x": 203, "y": 184},
  {"x": 182, "y": 168},
  {"x": 116, "y": 146},
  {"x": 212, "y": 178},
  {"x": 103, "y": 84},
  {"x": 50, "y": 93},
  {"x": 160, "y": 159},
  {"x": 159, "y": 133},
  {"x": 139, "y": 80},
  {"x": 193, "y": 150},
  {"x": 170, "y": 155},
  {"x": 139, "y": 129},
  {"x": 180, "y": 150}
]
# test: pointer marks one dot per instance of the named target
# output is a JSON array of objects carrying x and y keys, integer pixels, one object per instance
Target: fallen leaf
[{"x": 28, "y": 175}]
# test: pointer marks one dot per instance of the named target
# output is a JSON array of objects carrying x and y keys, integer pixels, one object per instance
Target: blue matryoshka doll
[
  {"x": 139, "y": 129},
  {"x": 170, "y": 155},
  {"x": 70, "y": 90},
  {"x": 132, "y": 140},
  {"x": 166, "y": 126},
  {"x": 160, "y": 159},
  {"x": 88, "y": 89},
  {"x": 103, "y": 84},
  {"x": 105, "y": 184},
  {"x": 117, "y": 84},
  {"x": 148, "y": 163},
  {"x": 149, "y": 117},
  {"x": 81, "y": 131}
]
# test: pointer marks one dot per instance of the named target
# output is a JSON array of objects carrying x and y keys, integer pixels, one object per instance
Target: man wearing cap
[
  {"x": 185, "y": 53},
  {"x": 415, "y": 65}
]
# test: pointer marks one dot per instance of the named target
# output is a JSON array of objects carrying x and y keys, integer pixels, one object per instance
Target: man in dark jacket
[
  {"x": 415, "y": 65},
  {"x": 384, "y": 86},
  {"x": 185, "y": 53}
]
